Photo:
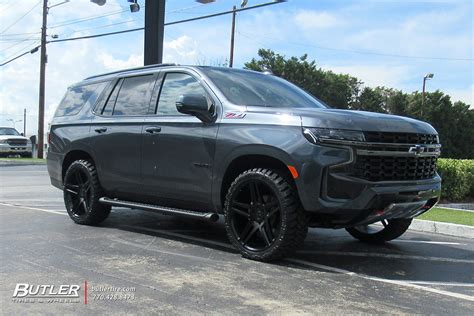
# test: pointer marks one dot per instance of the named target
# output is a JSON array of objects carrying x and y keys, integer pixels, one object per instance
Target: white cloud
[
  {"x": 465, "y": 95},
  {"x": 316, "y": 20}
]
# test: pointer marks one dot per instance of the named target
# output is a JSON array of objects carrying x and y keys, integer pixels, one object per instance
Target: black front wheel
[
  {"x": 263, "y": 218},
  {"x": 82, "y": 192},
  {"x": 385, "y": 230}
]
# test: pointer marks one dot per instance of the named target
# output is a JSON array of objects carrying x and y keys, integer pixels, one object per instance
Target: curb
[
  {"x": 443, "y": 228},
  {"x": 16, "y": 164}
]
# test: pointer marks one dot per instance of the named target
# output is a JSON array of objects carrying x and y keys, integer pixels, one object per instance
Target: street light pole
[
  {"x": 43, "y": 61},
  {"x": 427, "y": 76}
]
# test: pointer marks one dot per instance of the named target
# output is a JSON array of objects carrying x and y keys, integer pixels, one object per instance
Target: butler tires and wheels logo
[
  {"x": 49, "y": 293},
  {"x": 70, "y": 293}
]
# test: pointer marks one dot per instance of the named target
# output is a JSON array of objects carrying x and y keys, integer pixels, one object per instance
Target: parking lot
[{"x": 182, "y": 266}]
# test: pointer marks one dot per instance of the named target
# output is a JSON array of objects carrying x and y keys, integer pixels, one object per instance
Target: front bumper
[
  {"x": 336, "y": 198},
  {"x": 15, "y": 149}
]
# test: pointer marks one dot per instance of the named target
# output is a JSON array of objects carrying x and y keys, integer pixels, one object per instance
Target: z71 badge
[{"x": 234, "y": 115}]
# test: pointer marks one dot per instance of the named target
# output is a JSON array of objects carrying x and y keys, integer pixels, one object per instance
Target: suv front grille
[
  {"x": 400, "y": 138},
  {"x": 388, "y": 168},
  {"x": 17, "y": 142}
]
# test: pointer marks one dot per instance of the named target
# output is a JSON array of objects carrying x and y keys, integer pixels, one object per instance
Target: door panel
[
  {"x": 117, "y": 135},
  {"x": 117, "y": 153},
  {"x": 178, "y": 149},
  {"x": 177, "y": 161}
]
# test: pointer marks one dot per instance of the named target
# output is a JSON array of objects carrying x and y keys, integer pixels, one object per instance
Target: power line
[
  {"x": 21, "y": 55},
  {"x": 21, "y": 17},
  {"x": 69, "y": 22},
  {"x": 252, "y": 37}
]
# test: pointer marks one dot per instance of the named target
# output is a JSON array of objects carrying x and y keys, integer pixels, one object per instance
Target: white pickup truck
[{"x": 13, "y": 143}]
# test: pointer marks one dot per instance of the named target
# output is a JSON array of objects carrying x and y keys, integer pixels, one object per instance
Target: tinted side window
[
  {"x": 77, "y": 97},
  {"x": 175, "y": 85},
  {"x": 134, "y": 96},
  {"x": 109, "y": 106}
]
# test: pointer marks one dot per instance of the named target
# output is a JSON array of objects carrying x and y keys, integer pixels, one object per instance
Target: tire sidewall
[{"x": 234, "y": 189}]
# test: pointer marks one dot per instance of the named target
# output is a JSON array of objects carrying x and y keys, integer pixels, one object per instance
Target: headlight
[
  {"x": 4, "y": 141},
  {"x": 314, "y": 134}
]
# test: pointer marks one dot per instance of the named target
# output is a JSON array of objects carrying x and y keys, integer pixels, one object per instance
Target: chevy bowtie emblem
[{"x": 417, "y": 150}]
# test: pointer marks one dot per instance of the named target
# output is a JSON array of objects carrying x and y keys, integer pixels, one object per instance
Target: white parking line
[
  {"x": 385, "y": 255},
  {"x": 297, "y": 261},
  {"x": 430, "y": 242},
  {"x": 388, "y": 281},
  {"x": 34, "y": 208},
  {"x": 440, "y": 283}
]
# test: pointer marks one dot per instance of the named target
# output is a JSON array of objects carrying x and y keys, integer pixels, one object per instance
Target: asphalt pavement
[{"x": 138, "y": 262}]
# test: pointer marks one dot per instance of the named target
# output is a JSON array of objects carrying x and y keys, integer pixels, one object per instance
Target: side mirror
[
  {"x": 22, "y": 134},
  {"x": 197, "y": 105}
]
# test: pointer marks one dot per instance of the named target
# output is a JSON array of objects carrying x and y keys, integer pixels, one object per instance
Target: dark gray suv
[{"x": 204, "y": 141}]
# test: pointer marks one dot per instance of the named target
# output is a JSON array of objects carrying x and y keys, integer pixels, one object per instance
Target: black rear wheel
[
  {"x": 82, "y": 192},
  {"x": 385, "y": 230},
  {"x": 263, "y": 217}
]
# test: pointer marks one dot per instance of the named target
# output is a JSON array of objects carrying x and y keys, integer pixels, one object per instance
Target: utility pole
[
  {"x": 43, "y": 61},
  {"x": 154, "y": 31},
  {"x": 232, "y": 38},
  {"x": 24, "y": 122}
]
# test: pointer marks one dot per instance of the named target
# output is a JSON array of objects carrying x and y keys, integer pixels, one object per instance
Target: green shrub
[{"x": 458, "y": 178}]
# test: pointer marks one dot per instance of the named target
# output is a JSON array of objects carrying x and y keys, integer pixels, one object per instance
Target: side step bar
[{"x": 213, "y": 217}]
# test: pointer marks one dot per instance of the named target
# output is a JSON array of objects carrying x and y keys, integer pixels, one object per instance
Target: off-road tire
[
  {"x": 293, "y": 221},
  {"x": 96, "y": 212},
  {"x": 395, "y": 228}
]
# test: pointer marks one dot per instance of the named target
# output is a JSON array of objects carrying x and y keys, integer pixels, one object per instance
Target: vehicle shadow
[{"x": 415, "y": 257}]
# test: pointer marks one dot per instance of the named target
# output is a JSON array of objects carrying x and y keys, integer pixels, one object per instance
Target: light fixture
[
  {"x": 134, "y": 6},
  {"x": 205, "y": 1},
  {"x": 99, "y": 2},
  {"x": 429, "y": 76}
]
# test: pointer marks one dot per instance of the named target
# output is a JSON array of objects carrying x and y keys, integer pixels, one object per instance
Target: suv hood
[
  {"x": 352, "y": 120},
  {"x": 2, "y": 137}
]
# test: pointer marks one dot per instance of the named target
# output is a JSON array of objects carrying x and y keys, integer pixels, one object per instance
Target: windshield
[
  {"x": 253, "y": 88},
  {"x": 8, "y": 131}
]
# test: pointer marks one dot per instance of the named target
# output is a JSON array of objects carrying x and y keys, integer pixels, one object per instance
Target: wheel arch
[
  {"x": 246, "y": 161},
  {"x": 72, "y": 156}
]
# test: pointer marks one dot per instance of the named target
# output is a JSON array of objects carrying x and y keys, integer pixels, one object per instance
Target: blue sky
[{"x": 382, "y": 42}]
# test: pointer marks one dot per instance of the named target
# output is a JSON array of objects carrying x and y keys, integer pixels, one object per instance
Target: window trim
[
  {"x": 100, "y": 109},
  {"x": 157, "y": 94}
]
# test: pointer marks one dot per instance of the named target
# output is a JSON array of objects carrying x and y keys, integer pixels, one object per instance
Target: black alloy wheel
[
  {"x": 263, "y": 218},
  {"x": 82, "y": 192}
]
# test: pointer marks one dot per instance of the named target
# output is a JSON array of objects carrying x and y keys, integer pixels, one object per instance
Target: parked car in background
[
  {"x": 12, "y": 143},
  {"x": 272, "y": 159}
]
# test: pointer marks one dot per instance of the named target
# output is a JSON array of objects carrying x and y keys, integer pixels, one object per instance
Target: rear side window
[
  {"x": 77, "y": 97},
  {"x": 134, "y": 96}
]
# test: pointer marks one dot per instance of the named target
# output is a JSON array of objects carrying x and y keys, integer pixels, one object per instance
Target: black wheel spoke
[
  {"x": 268, "y": 228},
  {"x": 71, "y": 188},
  {"x": 243, "y": 206},
  {"x": 86, "y": 186},
  {"x": 265, "y": 233},
  {"x": 384, "y": 223},
  {"x": 240, "y": 212},
  {"x": 84, "y": 205},
  {"x": 78, "y": 177},
  {"x": 255, "y": 195},
  {"x": 249, "y": 231},
  {"x": 272, "y": 204}
]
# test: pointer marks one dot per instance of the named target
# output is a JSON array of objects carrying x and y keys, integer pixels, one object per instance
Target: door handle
[
  {"x": 101, "y": 130},
  {"x": 153, "y": 129}
]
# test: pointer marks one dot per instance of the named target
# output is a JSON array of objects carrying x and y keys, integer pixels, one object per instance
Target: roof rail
[{"x": 131, "y": 69}]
